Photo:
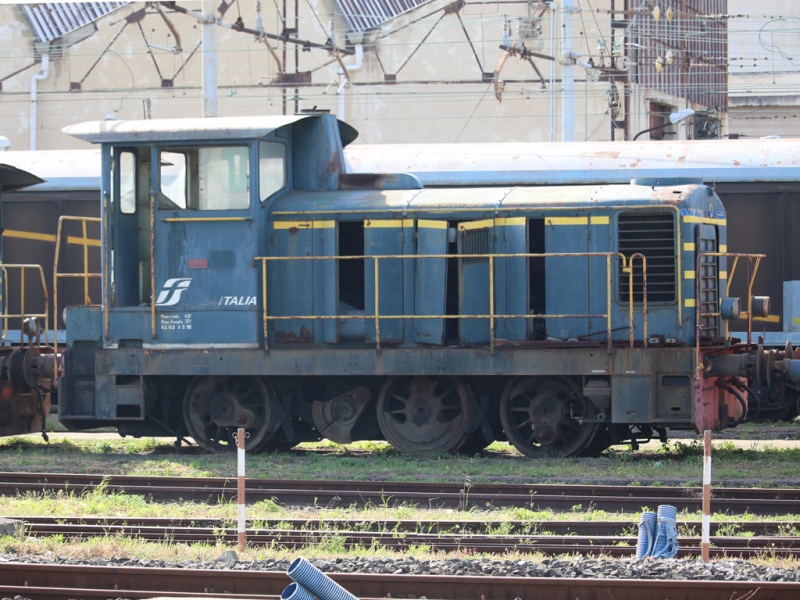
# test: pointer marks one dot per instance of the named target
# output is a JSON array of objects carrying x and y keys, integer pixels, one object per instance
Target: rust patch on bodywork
[{"x": 290, "y": 337}]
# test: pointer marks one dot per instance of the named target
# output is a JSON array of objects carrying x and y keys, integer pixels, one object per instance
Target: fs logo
[{"x": 171, "y": 292}]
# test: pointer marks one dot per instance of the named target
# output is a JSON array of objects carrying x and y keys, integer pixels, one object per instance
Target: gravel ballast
[{"x": 592, "y": 568}]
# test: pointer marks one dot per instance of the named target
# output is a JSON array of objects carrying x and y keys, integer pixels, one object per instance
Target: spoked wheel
[
  {"x": 214, "y": 408},
  {"x": 546, "y": 417},
  {"x": 425, "y": 415}
]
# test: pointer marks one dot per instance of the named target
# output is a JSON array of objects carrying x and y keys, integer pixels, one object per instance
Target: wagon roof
[
  {"x": 12, "y": 178},
  {"x": 60, "y": 169},
  {"x": 558, "y": 163},
  {"x": 172, "y": 130}
]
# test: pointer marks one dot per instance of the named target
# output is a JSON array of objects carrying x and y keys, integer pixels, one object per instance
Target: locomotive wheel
[
  {"x": 540, "y": 417},
  {"x": 214, "y": 408},
  {"x": 424, "y": 415}
]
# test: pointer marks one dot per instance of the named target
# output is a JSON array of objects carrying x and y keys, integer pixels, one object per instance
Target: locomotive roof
[
  {"x": 60, "y": 169},
  {"x": 482, "y": 200},
  {"x": 173, "y": 130},
  {"x": 557, "y": 163}
]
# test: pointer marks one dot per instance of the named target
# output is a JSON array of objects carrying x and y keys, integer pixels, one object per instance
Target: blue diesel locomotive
[{"x": 249, "y": 281}]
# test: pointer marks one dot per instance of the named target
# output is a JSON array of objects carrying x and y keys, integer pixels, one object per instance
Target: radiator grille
[
  {"x": 653, "y": 235},
  {"x": 476, "y": 241}
]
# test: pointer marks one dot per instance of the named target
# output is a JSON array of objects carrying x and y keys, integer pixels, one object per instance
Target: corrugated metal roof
[
  {"x": 365, "y": 14},
  {"x": 52, "y": 20}
]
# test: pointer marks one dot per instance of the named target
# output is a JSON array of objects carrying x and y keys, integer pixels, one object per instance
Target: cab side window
[{"x": 271, "y": 169}]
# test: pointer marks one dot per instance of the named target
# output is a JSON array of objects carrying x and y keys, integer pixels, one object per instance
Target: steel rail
[
  {"x": 130, "y": 581},
  {"x": 607, "y": 545},
  {"x": 433, "y": 495}
]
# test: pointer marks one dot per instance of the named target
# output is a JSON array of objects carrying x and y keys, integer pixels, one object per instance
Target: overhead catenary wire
[{"x": 464, "y": 90}]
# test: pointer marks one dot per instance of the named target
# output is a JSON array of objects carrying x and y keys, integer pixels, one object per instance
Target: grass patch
[{"x": 678, "y": 463}]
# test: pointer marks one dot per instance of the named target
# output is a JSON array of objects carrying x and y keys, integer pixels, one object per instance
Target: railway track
[
  {"x": 430, "y": 526},
  {"x": 606, "y": 538},
  {"x": 321, "y": 493},
  {"x": 56, "y": 582}
]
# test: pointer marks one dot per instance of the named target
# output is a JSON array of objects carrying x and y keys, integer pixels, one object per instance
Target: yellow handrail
[
  {"x": 5, "y": 316},
  {"x": 85, "y": 274},
  {"x": 699, "y": 315},
  {"x": 492, "y": 316}
]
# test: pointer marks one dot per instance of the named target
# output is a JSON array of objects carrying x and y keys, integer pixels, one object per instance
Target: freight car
[
  {"x": 249, "y": 281},
  {"x": 67, "y": 184},
  {"x": 24, "y": 388}
]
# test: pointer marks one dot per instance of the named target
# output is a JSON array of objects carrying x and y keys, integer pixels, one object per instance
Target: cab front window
[{"x": 204, "y": 178}]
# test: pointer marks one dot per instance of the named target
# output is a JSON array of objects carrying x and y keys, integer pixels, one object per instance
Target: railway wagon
[
  {"x": 249, "y": 281},
  {"x": 24, "y": 391},
  {"x": 67, "y": 184}
]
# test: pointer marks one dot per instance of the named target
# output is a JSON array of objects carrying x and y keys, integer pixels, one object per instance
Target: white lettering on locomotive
[{"x": 237, "y": 301}]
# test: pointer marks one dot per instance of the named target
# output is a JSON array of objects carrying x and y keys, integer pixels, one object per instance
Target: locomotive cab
[{"x": 179, "y": 240}]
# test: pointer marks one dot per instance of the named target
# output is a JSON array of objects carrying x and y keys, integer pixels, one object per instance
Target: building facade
[{"x": 399, "y": 71}]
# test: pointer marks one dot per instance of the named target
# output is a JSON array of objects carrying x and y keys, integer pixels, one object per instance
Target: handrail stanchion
[
  {"x": 628, "y": 268},
  {"x": 264, "y": 296},
  {"x": 86, "y": 298},
  {"x": 153, "y": 265},
  {"x": 609, "y": 301},
  {"x": 633, "y": 258},
  {"x": 377, "y": 300},
  {"x": 491, "y": 305},
  {"x": 5, "y": 302},
  {"x": 22, "y": 301},
  {"x": 105, "y": 279},
  {"x": 750, "y": 300}
]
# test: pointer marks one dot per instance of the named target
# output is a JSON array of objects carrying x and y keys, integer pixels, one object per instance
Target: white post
[
  {"x": 706, "y": 494},
  {"x": 209, "y": 61},
  {"x": 567, "y": 75},
  {"x": 240, "y": 439},
  {"x": 552, "y": 83},
  {"x": 42, "y": 75}
]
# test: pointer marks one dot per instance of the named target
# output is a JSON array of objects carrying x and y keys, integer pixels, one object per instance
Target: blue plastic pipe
[
  {"x": 295, "y": 591},
  {"x": 647, "y": 535},
  {"x": 666, "y": 544},
  {"x": 316, "y": 582}
]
